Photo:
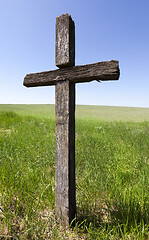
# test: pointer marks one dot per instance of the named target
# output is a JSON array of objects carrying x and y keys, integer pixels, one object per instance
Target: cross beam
[
  {"x": 64, "y": 80},
  {"x": 103, "y": 71}
]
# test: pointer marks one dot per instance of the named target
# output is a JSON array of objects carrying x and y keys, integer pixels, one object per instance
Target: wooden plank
[
  {"x": 65, "y": 41},
  {"x": 65, "y": 188},
  {"x": 103, "y": 71}
]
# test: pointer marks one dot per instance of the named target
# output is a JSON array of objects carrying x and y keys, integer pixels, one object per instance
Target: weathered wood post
[
  {"x": 65, "y": 187},
  {"x": 64, "y": 80}
]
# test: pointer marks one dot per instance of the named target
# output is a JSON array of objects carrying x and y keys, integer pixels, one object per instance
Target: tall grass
[
  {"x": 112, "y": 178},
  {"x": 112, "y": 165},
  {"x": 26, "y": 169}
]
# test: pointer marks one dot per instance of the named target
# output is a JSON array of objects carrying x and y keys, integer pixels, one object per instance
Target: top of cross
[
  {"x": 65, "y": 41},
  {"x": 65, "y": 60}
]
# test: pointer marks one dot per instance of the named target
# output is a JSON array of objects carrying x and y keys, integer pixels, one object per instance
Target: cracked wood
[{"x": 104, "y": 71}]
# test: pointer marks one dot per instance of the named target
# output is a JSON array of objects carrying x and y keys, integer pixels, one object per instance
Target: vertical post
[{"x": 65, "y": 187}]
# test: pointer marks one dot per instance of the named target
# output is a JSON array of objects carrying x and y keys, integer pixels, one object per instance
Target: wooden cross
[{"x": 64, "y": 80}]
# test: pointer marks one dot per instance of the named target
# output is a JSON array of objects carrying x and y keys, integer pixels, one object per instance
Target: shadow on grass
[{"x": 118, "y": 218}]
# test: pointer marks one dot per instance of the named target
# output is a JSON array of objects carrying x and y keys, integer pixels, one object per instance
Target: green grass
[
  {"x": 112, "y": 174},
  {"x": 36, "y": 110},
  {"x": 103, "y": 113}
]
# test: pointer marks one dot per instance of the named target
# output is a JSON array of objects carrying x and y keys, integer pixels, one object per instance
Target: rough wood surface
[
  {"x": 103, "y": 71},
  {"x": 64, "y": 80},
  {"x": 65, "y": 41},
  {"x": 65, "y": 188}
]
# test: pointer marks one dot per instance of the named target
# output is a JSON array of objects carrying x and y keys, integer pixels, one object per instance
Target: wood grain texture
[
  {"x": 103, "y": 71},
  {"x": 64, "y": 80},
  {"x": 65, "y": 41},
  {"x": 65, "y": 187}
]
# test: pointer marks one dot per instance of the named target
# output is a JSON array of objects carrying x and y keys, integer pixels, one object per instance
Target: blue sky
[{"x": 105, "y": 30}]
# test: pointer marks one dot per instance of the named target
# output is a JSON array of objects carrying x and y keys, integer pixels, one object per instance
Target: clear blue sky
[{"x": 105, "y": 30}]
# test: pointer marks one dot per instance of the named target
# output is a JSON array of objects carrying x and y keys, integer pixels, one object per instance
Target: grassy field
[
  {"x": 103, "y": 113},
  {"x": 112, "y": 173}
]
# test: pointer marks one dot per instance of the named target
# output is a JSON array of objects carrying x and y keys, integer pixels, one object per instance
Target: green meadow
[
  {"x": 112, "y": 173},
  {"x": 83, "y": 112}
]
